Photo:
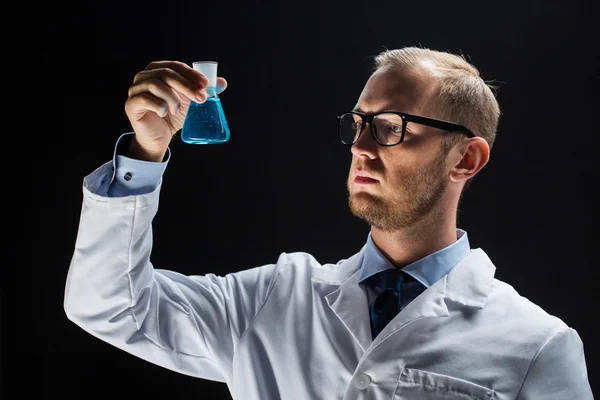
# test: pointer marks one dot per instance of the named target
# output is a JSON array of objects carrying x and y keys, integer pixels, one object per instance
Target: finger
[
  {"x": 139, "y": 105},
  {"x": 170, "y": 78},
  {"x": 160, "y": 90},
  {"x": 195, "y": 77}
]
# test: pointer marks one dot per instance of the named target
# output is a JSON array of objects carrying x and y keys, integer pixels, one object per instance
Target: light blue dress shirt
[
  {"x": 427, "y": 270},
  {"x": 135, "y": 177},
  {"x": 132, "y": 177}
]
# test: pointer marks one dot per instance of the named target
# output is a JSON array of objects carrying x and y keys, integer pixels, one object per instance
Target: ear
[{"x": 469, "y": 157}]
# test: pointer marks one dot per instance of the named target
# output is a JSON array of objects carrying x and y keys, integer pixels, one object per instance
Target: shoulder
[
  {"x": 304, "y": 263},
  {"x": 304, "y": 267},
  {"x": 521, "y": 315}
]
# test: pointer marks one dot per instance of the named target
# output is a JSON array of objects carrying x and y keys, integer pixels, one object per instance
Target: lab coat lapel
[
  {"x": 470, "y": 282},
  {"x": 468, "y": 285},
  {"x": 346, "y": 298}
]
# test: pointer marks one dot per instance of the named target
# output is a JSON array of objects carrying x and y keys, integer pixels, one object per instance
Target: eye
[
  {"x": 393, "y": 128},
  {"x": 396, "y": 128}
]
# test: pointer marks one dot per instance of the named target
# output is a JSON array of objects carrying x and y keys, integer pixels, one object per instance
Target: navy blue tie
[{"x": 399, "y": 289}]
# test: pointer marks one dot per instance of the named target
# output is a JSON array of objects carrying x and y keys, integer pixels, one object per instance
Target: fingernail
[{"x": 163, "y": 110}]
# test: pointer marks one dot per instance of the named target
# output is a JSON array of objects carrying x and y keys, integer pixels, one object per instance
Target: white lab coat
[{"x": 298, "y": 329}]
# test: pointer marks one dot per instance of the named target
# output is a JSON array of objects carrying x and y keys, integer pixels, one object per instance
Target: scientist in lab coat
[{"x": 415, "y": 314}]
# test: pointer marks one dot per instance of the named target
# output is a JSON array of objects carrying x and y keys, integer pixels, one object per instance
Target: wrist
[{"x": 138, "y": 152}]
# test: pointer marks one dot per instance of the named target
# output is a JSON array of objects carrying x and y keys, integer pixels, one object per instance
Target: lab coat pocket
[{"x": 415, "y": 384}]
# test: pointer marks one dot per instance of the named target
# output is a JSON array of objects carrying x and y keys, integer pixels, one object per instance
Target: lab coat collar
[{"x": 468, "y": 283}]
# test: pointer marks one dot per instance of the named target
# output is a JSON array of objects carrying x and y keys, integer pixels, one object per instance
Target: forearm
[
  {"x": 114, "y": 293},
  {"x": 185, "y": 323},
  {"x": 110, "y": 264}
]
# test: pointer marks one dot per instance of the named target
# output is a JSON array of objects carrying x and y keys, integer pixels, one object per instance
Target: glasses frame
[{"x": 435, "y": 123}]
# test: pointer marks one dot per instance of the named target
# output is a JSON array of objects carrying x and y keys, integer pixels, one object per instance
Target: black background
[{"x": 279, "y": 183}]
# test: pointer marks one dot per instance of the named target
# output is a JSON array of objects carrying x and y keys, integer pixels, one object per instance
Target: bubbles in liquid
[{"x": 205, "y": 123}]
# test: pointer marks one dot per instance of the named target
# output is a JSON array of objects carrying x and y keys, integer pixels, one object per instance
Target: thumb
[{"x": 221, "y": 85}]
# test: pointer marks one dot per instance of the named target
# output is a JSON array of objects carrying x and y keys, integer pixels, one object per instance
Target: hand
[{"x": 157, "y": 104}]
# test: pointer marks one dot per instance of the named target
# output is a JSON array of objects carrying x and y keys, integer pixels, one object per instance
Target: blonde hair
[{"x": 462, "y": 96}]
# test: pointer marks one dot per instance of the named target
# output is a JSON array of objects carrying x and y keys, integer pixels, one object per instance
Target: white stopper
[{"x": 208, "y": 69}]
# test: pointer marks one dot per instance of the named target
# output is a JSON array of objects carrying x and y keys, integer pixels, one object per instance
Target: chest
[{"x": 305, "y": 349}]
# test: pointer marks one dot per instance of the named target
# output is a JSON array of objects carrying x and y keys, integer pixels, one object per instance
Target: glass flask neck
[{"x": 211, "y": 91}]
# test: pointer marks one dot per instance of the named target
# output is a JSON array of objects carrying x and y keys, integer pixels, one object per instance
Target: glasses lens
[
  {"x": 388, "y": 128},
  {"x": 350, "y": 126}
]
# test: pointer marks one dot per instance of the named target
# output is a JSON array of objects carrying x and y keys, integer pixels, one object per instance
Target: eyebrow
[{"x": 357, "y": 109}]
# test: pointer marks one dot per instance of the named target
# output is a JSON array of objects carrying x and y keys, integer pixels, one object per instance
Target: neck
[{"x": 407, "y": 245}]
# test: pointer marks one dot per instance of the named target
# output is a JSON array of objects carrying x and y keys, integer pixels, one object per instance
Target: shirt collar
[{"x": 427, "y": 270}]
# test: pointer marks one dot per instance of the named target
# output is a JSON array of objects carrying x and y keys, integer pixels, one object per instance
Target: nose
[{"x": 366, "y": 144}]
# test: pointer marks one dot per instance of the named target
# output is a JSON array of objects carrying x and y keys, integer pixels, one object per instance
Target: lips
[
  {"x": 364, "y": 180},
  {"x": 364, "y": 175}
]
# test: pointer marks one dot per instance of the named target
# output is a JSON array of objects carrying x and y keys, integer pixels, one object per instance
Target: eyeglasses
[{"x": 388, "y": 128}]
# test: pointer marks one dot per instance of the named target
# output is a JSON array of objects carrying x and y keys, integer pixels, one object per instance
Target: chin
[
  {"x": 363, "y": 203},
  {"x": 363, "y": 198}
]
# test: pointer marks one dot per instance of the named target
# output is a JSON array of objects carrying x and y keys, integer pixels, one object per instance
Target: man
[{"x": 415, "y": 314}]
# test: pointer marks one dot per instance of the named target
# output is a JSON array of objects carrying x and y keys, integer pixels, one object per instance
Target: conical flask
[{"x": 205, "y": 123}]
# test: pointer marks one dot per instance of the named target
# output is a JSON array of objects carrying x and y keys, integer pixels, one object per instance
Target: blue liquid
[{"x": 205, "y": 123}]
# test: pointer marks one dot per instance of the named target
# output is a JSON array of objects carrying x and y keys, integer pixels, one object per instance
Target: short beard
[{"x": 411, "y": 204}]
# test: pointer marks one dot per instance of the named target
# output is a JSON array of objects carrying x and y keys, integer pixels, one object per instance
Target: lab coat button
[
  {"x": 363, "y": 381},
  {"x": 127, "y": 176}
]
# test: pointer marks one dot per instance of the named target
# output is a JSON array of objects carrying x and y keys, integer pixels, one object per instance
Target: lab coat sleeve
[
  {"x": 558, "y": 372},
  {"x": 189, "y": 324}
]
